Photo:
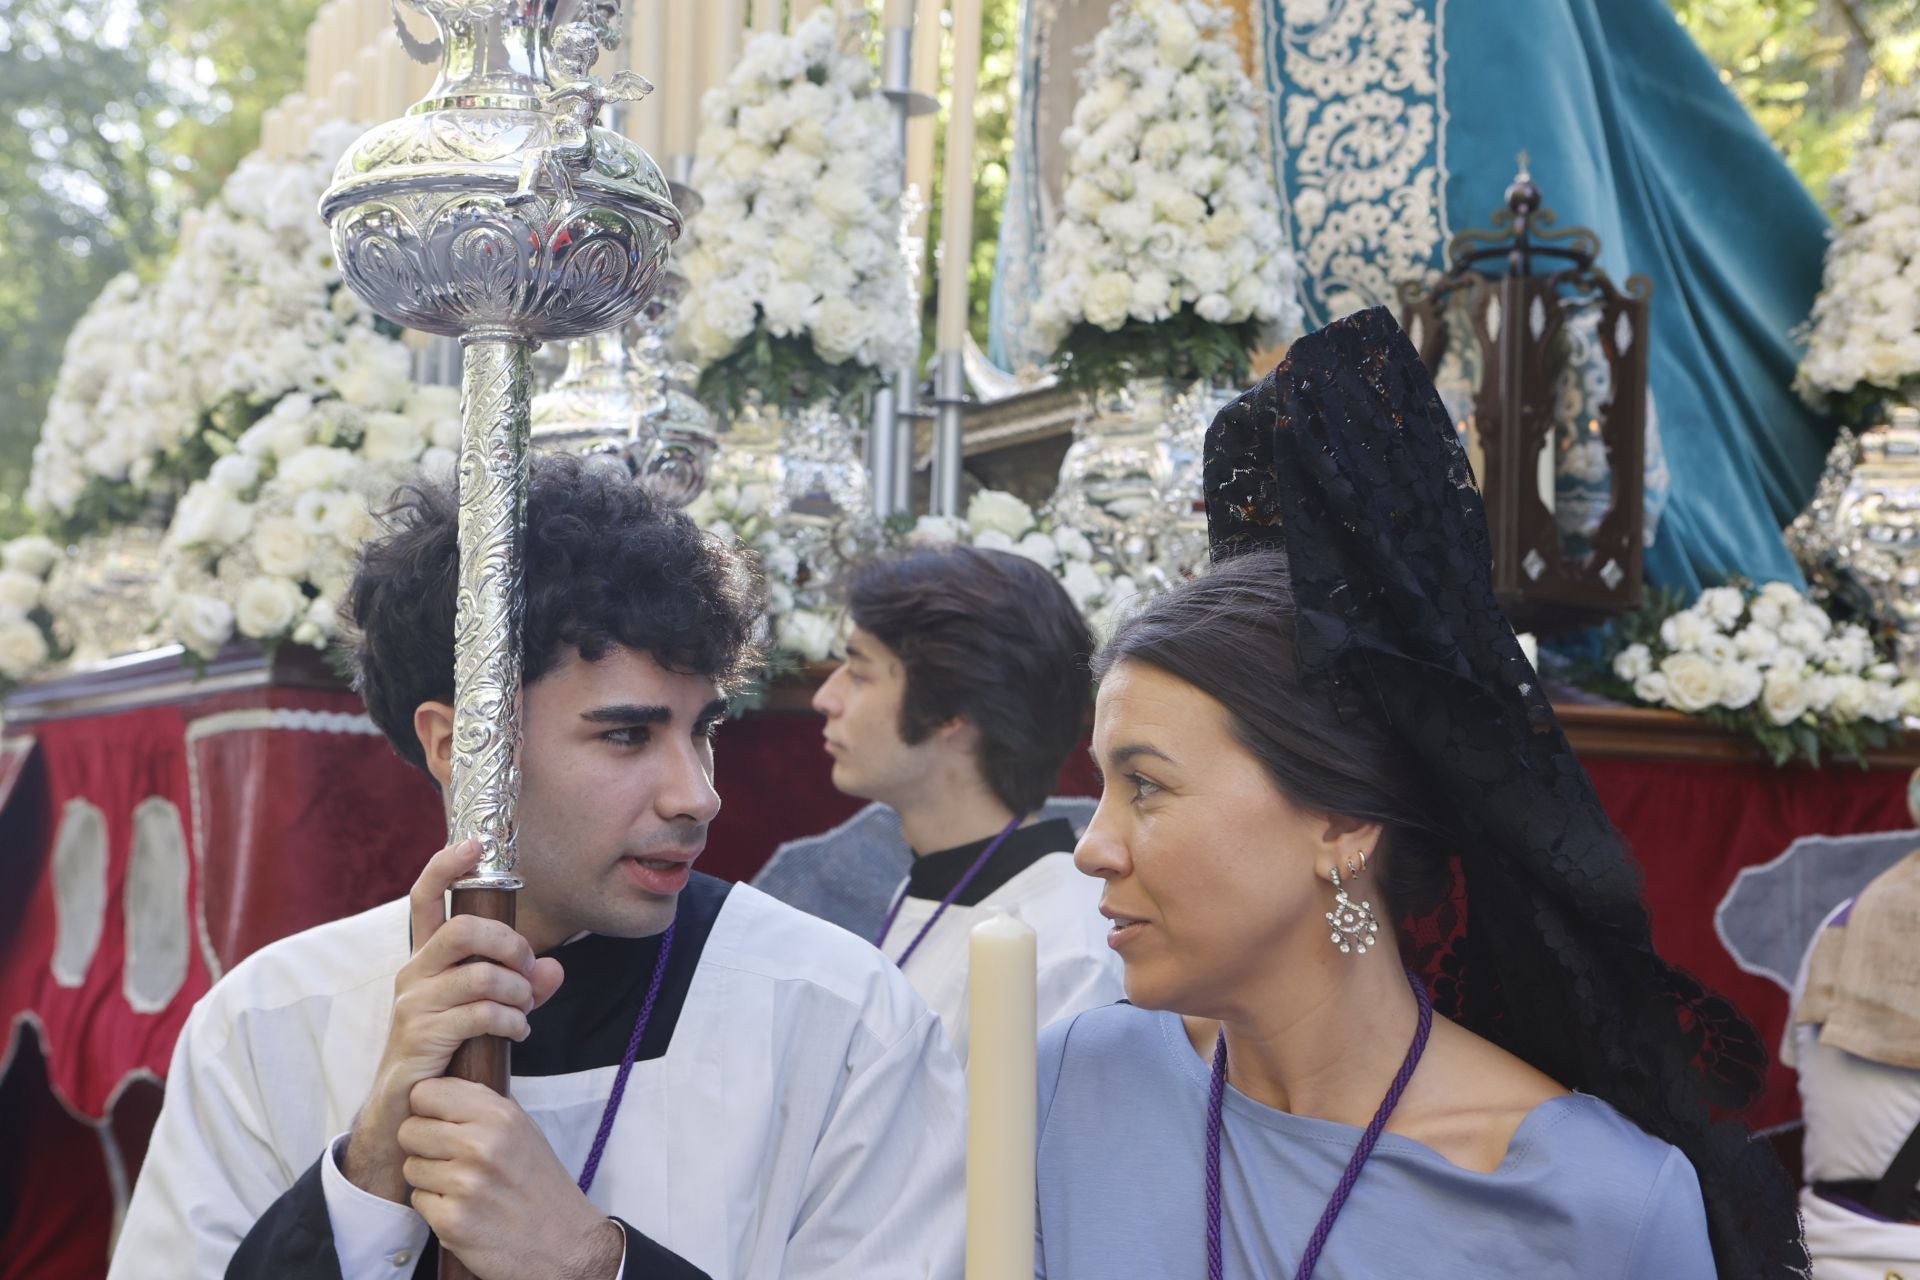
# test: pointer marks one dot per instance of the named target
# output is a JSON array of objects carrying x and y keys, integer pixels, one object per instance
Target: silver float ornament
[
  {"x": 1859, "y": 539},
  {"x": 1117, "y": 473},
  {"x": 497, "y": 211},
  {"x": 674, "y": 446}
]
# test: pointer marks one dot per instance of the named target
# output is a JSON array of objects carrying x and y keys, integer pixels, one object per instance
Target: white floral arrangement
[
  {"x": 799, "y": 282},
  {"x": 744, "y": 514},
  {"x": 1863, "y": 341},
  {"x": 157, "y": 379},
  {"x": 803, "y": 630},
  {"x": 1168, "y": 256},
  {"x": 1771, "y": 663},
  {"x": 264, "y": 546},
  {"x": 27, "y": 641}
]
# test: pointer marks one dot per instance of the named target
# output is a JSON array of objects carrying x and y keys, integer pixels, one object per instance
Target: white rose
[
  {"x": 267, "y": 607},
  {"x": 1784, "y": 695},
  {"x": 1723, "y": 605},
  {"x": 1756, "y": 643},
  {"x": 1849, "y": 699},
  {"x": 323, "y": 615},
  {"x": 994, "y": 540},
  {"x": 1685, "y": 630},
  {"x": 1883, "y": 703},
  {"x": 1909, "y": 691},
  {"x": 1800, "y": 634},
  {"x": 438, "y": 465},
  {"x": 1039, "y": 548},
  {"x": 994, "y": 510},
  {"x": 317, "y": 467},
  {"x": 1739, "y": 686},
  {"x": 1718, "y": 649},
  {"x": 22, "y": 649},
  {"x": 1651, "y": 687},
  {"x": 1083, "y": 584},
  {"x": 1107, "y": 300},
  {"x": 392, "y": 437},
  {"x": 1632, "y": 662},
  {"x": 809, "y": 634},
  {"x": 236, "y": 473},
  {"x": 202, "y": 623},
  {"x": 935, "y": 531},
  {"x": 1072, "y": 543},
  {"x": 30, "y": 555},
  {"x": 282, "y": 547},
  {"x": 1215, "y": 308},
  {"x": 1693, "y": 682},
  {"x": 19, "y": 592}
]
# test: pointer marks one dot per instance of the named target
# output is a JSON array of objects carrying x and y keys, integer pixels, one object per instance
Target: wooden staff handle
[{"x": 484, "y": 1060}]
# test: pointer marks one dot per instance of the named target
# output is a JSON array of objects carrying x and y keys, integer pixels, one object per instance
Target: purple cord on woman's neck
[
  {"x": 1310, "y": 1258},
  {"x": 626, "y": 1063}
]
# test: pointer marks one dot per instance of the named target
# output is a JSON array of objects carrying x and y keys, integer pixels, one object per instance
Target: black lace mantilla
[{"x": 1345, "y": 458}]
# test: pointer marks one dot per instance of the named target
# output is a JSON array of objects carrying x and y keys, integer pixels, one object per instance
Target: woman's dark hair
[
  {"x": 989, "y": 636},
  {"x": 606, "y": 567},
  {"x": 1513, "y": 947},
  {"x": 1207, "y": 632}
]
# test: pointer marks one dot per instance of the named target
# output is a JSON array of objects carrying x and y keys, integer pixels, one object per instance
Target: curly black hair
[{"x": 607, "y": 567}]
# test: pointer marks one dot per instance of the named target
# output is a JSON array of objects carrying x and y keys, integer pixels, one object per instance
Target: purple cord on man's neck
[
  {"x": 626, "y": 1063},
  {"x": 1310, "y": 1258},
  {"x": 953, "y": 894}
]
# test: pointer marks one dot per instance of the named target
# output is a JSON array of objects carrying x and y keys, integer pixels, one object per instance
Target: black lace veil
[{"x": 1345, "y": 458}]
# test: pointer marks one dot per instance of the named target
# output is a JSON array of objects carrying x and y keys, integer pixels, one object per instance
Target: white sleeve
[
  {"x": 886, "y": 1186},
  {"x": 374, "y": 1239},
  {"x": 210, "y": 1169}
]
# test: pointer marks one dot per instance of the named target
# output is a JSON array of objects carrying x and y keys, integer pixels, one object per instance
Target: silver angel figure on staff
[{"x": 573, "y": 105}]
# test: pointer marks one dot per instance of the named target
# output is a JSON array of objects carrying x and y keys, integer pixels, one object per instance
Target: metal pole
[
  {"x": 889, "y": 438},
  {"x": 949, "y": 391}
]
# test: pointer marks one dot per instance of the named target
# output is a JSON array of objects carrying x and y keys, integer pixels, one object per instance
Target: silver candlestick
[{"x": 497, "y": 211}]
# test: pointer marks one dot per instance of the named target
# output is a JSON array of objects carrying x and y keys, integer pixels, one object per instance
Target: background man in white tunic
[
  {"x": 965, "y": 687},
  {"x": 793, "y": 1109}
]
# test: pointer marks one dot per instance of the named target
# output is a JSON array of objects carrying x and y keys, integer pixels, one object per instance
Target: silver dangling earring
[{"x": 1355, "y": 927}]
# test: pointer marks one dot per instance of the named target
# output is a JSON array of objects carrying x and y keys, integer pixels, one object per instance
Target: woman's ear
[
  {"x": 433, "y": 726},
  {"x": 1348, "y": 842}
]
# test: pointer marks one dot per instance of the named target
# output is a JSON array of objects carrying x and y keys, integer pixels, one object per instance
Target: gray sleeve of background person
[{"x": 1672, "y": 1242}]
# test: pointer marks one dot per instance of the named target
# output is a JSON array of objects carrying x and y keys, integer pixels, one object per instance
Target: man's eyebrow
[
  {"x": 715, "y": 710},
  {"x": 628, "y": 713}
]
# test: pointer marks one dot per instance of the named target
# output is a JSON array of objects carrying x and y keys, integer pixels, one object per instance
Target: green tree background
[{"x": 116, "y": 116}]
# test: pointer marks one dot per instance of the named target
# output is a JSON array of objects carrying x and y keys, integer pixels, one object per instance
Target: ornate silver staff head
[{"x": 499, "y": 212}]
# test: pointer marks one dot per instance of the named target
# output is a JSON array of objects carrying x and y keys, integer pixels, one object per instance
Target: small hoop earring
[{"x": 1354, "y": 926}]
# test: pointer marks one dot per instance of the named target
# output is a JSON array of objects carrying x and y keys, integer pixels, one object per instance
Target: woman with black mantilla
[{"x": 1296, "y": 747}]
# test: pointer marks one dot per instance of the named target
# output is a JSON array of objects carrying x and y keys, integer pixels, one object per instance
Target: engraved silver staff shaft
[{"x": 496, "y": 381}]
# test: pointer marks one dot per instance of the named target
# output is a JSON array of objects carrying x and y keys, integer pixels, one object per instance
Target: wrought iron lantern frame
[{"x": 1516, "y": 283}]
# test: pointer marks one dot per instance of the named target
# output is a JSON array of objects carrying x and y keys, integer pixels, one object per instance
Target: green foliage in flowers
[{"x": 1183, "y": 349}]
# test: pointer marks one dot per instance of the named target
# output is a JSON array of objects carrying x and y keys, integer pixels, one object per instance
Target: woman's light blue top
[{"x": 1583, "y": 1193}]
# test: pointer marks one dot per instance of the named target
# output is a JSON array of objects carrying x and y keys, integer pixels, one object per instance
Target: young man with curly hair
[
  {"x": 965, "y": 687},
  {"x": 792, "y": 1109}
]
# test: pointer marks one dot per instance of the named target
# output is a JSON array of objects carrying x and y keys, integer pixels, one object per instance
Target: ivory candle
[
  {"x": 1001, "y": 1089},
  {"x": 367, "y": 102},
  {"x": 681, "y": 75},
  {"x": 956, "y": 237},
  {"x": 897, "y": 13},
  {"x": 925, "y": 78},
  {"x": 726, "y": 26},
  {"x": 646, "y": 54}
]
